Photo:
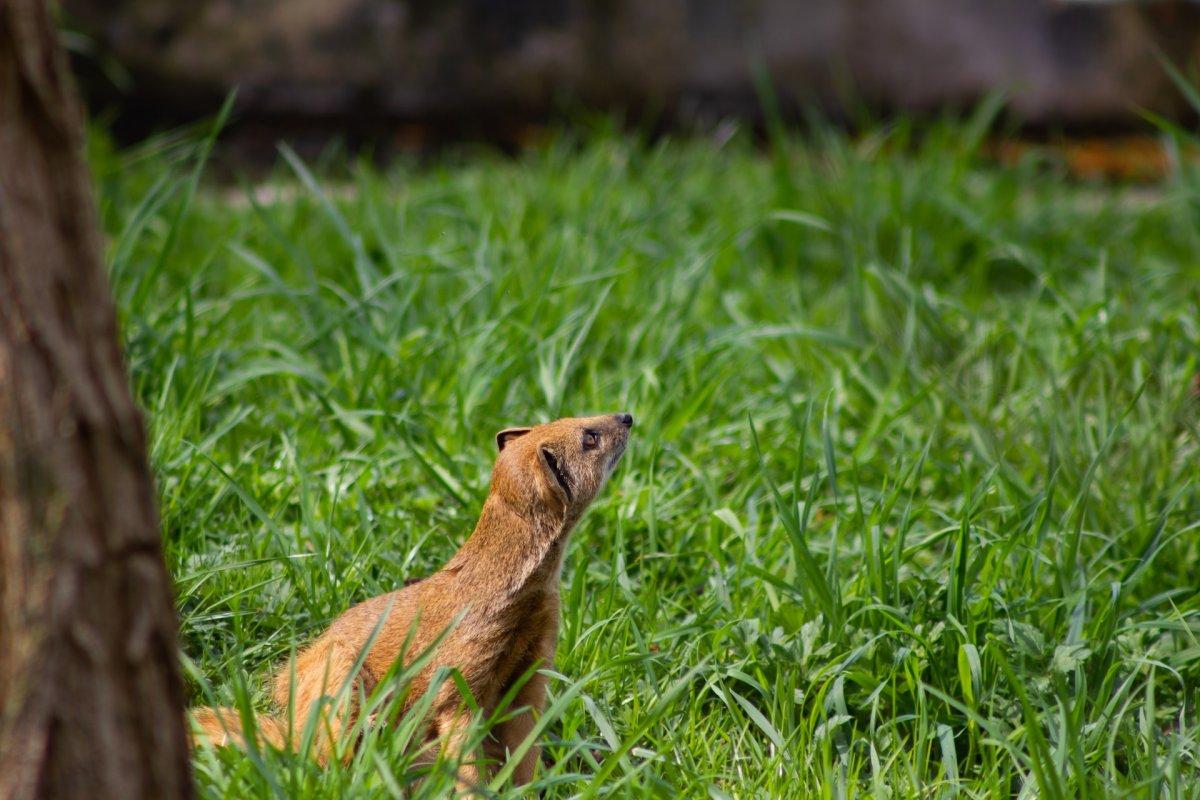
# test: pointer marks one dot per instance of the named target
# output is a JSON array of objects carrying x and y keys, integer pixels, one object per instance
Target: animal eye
[{"x": 591, "y": 440}]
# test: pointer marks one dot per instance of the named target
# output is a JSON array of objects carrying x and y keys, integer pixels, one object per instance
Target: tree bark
[{"x": 91, "y": 699}]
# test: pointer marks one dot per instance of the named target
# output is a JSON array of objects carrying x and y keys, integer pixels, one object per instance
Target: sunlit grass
[{"x": 910, "y": 509}]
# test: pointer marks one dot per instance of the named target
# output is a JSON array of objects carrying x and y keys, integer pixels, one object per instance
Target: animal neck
[{"x": 512, "y": 550}]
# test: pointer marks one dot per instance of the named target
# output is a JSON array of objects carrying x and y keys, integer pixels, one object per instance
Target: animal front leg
[{"x": 531, "y": 701}]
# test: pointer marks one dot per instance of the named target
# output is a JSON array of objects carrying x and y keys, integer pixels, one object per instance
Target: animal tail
[
  {"x": 222, "y": 727},
  {"x": 321, "y": 682}
]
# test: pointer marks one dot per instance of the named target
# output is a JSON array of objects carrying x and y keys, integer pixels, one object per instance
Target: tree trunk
[{"x": 91, "y": 700}]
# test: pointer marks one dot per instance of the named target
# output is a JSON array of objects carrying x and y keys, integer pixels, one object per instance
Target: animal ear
[
  {"x": 558, "y": 472},
  {"x": 508, "y": 434}
]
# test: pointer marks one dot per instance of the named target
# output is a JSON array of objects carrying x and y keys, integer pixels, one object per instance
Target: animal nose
[{"x": 625, "y": 419}]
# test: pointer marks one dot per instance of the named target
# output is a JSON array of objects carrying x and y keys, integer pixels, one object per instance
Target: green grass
[{"x": 910, "y": 509}]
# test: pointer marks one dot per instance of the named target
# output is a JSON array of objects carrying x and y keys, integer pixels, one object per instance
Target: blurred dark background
[{"x": 403, "y": 72}]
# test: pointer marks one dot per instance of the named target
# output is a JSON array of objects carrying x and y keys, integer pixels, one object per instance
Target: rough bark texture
[{"x": 91, "y": 701}]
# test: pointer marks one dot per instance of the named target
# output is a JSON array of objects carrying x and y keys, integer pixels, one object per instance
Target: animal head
[{"x": 559, "y": 466}]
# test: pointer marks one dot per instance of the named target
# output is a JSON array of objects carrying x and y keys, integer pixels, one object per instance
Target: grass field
[{"x": 910, "y": 508}]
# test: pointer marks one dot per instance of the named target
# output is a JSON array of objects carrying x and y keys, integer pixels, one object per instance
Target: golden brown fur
[{"x": 501, "y": 587}]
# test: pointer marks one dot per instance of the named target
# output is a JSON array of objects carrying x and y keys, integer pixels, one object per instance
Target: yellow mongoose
[{"x": 501, "y": 586}]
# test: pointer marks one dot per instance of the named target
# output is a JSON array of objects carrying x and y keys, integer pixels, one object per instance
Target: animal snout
[{"x": 625, "y": 419}]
